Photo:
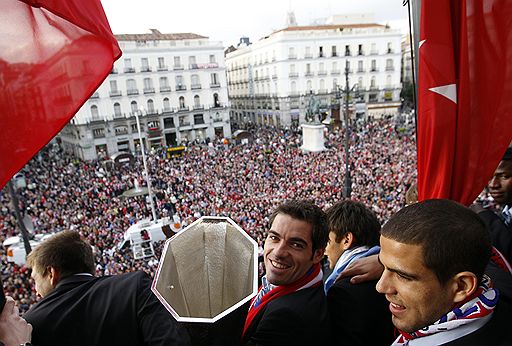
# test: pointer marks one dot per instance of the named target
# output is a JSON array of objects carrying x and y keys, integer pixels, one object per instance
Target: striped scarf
[
  {"x": 269, "y": 292},
  {"x": 477, "y": 307},
  {"x": 345, "y": 259}
]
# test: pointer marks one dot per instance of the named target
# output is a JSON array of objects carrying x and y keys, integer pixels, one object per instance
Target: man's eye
[
  {"x": 403, "y": 277},
  {"x": 298, "y": 245}
]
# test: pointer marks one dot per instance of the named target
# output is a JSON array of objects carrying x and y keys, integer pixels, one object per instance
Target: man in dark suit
[
  {"x": 291, "y": 308},
  {"x": 499, "y": 221},
  {"x": 80, "y": 309},
  {"x": 354, "y": 232},
  {"x": 434, "y": 255}
]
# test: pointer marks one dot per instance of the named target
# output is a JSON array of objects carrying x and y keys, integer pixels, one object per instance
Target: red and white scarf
[
  {"x": 269, "y": 292},
  {"x": 468, "y": 316}
]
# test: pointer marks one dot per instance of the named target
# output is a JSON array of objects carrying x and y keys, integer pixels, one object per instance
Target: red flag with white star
[
  {"x": 464, "y": 95},
  {"x": 53, "y": 56}
]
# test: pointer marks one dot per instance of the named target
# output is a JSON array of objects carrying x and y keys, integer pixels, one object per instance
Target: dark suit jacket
[
  {"x": 501, "y": 234},
  {"x": 299, "y": 318},
  {"x": 496, "y": 332},
  {"x": 102, "y": 311},
  {"x": 359, "y": 314}
]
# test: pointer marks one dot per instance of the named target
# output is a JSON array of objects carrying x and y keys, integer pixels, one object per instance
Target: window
[
  {"x": 131, "y": 87},
  {"x": 322, "y": 85},
  {"x": 360, "y": 66},
  {"x": 212, "y": 59},
  {"x": 144, "y": 65},
  {"x": 151, "y": 107},
  {"x": 308, "y": 69},
  {"x": 117, "y": 109},
  {"x": 128, "y": 66},
  {"x": 148, "y": 86},
  {"x": 216, "y": 101},
  {"x": 374, "y": 48},
  {"x": 177, "y": 63},
  {"x": 113, "y": 86},
  {"x": 307, "y": 54},
  {"x": 182, "y": 102},
  {"x": 94, "y": 111},
  {"x": 389, "y": 65},
  {"x": 214, "y": 79},
  {"x": 134, "y": 106},
  {"x": 291, "y": 53},
  {"x": 161, "y": 63},
  {"x": 374, "y": 65},
  {"x": 164, "y": 83},
  {"x": 347, "y": 50},
  {"x": 321, "y": 51},
  {"x": 167, "y": 104},
  {"x": 321, "y": 67},
  {"x": 168, "y": 122},
  {"x": 293, "y": 87},
  {"x": 292, "y": 68},
  {"x": 197, "y": 102},
  {"x": 333, "y": 49},
  {"x": 179, "y": 83},
  {"x": 360, "y": 49},
  {"x": 372, "y": 82},
  {"x": 195, "y": 84},
  {"x": 192, "y": 62},
  {"x": 198, "y": 119},
  {"x": 360, "y": 84},
  {"x": 390, "y": 47}
]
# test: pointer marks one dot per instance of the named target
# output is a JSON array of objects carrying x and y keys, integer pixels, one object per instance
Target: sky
[{"x": 228, "y": 20}]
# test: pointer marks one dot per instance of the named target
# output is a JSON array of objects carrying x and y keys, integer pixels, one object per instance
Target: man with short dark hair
[
  {"x": 80, "y": 309},
  {"x": 499, "y": 221},
  {"x": 291, "y": 308},
  {"x": 354, "y": 234},
  {"x": 434, "y": 255}
]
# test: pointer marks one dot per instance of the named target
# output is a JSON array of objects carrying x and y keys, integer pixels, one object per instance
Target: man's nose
[
  {"x": 280, "y": 249},
  {"x": 494, "y": 183}
]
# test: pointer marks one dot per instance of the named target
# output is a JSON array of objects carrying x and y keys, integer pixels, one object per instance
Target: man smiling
[
  {"x": 290, "y": 308},
  {"x": 434, "y": 254}
]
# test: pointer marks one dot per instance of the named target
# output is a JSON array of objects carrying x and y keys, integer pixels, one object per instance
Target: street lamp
[
  {"x": 15, "y": 202},
  {"x": 148, "y": 180},
  {"x": 347, "y": 188}
]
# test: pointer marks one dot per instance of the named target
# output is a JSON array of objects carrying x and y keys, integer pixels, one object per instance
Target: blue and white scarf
[{"x": 345, "y": 259}]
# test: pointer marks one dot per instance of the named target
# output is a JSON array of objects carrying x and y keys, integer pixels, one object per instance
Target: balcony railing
[
  {"x": 374, "y": 69},
  {"x": 390, "y": 68},
  {"x": 195, "y": 86},
  {"x": 335, "y": 72},
  {"x": 322, "y": 73},
  {"x": 308, "y": 56},
  {"x": 132, "y": 92},
  {"x": 214, "y": 85},
  {"x": 145, "y": 69},
  {"x": 115, "y": 93},
  {"x": 162, "y": 68},
  {"x": 293, "y": 74},
  {"x": 149, "y": 90},
  {"x": 183, "y": 109},
  {"x": 95, "y": 95},
  {"x": 165, "y": 89},
  {"x": 292, "y": 56},
  {"x": 181, "y": 87},
  {"x": 129, "y": 70},
  {"x": 198, "y": 107},
  {"x": 309, "y": 74},
  {"x": 360, "y": 70},
  {"x": 177, "y": 67}
]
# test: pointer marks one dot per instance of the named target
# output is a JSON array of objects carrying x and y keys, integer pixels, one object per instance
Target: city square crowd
[{"x": 241, "y": 181}]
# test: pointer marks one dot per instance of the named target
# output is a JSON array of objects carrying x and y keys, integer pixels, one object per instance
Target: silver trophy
[{"x": 207, "y": 270}]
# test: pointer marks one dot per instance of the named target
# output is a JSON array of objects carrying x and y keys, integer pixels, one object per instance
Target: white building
[
  {"x": 270, "y": 81},
  {"x": 176, "y": 83}
]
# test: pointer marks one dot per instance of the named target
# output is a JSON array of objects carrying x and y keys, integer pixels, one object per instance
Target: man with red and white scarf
[
  {"x": 434, "y": 255},
  {"x": 291, "y": 308}
]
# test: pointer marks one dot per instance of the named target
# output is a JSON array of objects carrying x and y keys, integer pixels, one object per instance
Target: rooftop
[{"x": 156, "y": 35}]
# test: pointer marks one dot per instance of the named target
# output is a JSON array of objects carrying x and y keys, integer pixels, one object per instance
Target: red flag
[
  {"x": 53, "y": 56},
  {"x": 464, "y": 95}
]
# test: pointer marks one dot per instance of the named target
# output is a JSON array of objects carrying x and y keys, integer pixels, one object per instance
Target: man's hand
[
  {"x": 14, "y": 330},
  {"x": 363, "y": 270}
]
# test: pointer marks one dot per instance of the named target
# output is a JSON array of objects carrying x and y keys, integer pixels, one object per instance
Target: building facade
[
  {"x": 177, "y": 85},
  {"x": 273, "y": 81}
]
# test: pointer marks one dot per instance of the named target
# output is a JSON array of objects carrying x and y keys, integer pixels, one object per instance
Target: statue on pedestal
[{"x": 313, "y": 110}]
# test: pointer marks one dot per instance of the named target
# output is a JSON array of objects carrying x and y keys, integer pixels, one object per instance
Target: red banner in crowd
[
  {"x": 464, "y": 95},
  {"x": 53, "y": 56}
]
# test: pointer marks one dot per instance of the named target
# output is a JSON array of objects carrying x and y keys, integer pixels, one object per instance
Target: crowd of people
[{"x": 241, "y": 181}]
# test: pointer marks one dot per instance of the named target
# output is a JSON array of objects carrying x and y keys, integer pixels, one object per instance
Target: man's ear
[
  {"x": 463, "y": 285},
  {"x": 347, "y": 240},
  {"x": 318, "y": 255},
  {"x": 54, "y": 276}
]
